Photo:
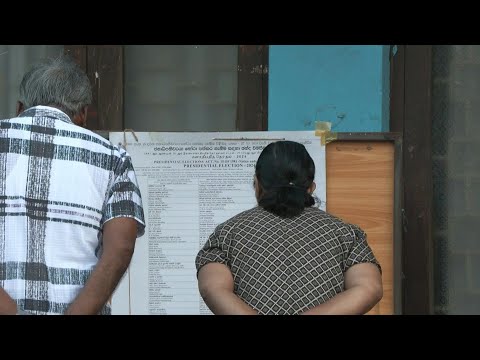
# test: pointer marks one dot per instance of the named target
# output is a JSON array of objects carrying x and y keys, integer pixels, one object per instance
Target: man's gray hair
[{"x": 57, "y": 82}]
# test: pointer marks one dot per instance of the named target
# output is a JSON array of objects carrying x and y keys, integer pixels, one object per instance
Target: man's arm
[
  {"x": 215, "y": 283},
  {"x": 8, "y": 306},
  {"x": 119, "y": 236},
  {"x": 363, "y": 290}
]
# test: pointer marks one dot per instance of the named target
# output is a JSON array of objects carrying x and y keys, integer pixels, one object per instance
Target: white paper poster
[{"x": 190, "y": 183}]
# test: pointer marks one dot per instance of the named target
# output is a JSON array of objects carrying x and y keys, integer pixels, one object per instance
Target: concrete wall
[{"x": 456, "y": 178}]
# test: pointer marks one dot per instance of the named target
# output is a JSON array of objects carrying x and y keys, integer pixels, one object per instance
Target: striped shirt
[
  {"x": 59, "y": 184},
  {"x": 285, "y": 266}
]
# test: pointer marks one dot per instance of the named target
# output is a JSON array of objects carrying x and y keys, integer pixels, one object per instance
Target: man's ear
[
  {"x": 312, "y": 188},
  {"x": 80, "y": 119},
  {"x": 20, "y": 108}
]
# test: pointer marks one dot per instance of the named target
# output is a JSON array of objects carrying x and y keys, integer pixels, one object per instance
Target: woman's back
[{"x": 286, "y": 265}]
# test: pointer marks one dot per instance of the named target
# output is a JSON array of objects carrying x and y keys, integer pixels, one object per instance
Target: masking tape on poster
[{"x": 322, "y": 129}]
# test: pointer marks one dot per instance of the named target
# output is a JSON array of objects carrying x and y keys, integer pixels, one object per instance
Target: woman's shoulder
[
  {"x": 246, "y": 215},
  {"x": 323, "y": 218},
  {"x": 250, "y": 216}
]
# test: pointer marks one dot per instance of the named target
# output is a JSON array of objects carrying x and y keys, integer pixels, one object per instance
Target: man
[{"x": 70, "y": 206}]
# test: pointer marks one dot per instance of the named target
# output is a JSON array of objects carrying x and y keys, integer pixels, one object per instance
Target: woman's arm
[
  {"x": 363, "y": 290},
  {"x": 215, "y": 282}
]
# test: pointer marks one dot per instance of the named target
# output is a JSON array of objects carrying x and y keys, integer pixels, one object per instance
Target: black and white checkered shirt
[
  {"x": 286, "y": 266},
  {"x": 59, "y": 184}
]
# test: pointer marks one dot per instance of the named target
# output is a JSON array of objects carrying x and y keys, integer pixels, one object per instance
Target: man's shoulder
[
  {"x": 16, "y": 120},
  {"x": 60, "y": 128},
  {"x": 97, "y": 138},
  {"x": 92, "y": 140}
]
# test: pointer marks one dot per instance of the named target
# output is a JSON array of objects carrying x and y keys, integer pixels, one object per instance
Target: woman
[{"x": 286, "y": 256}]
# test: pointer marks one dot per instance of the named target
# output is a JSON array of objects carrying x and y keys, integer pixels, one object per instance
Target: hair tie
[{"x": 290, "y": 185}]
